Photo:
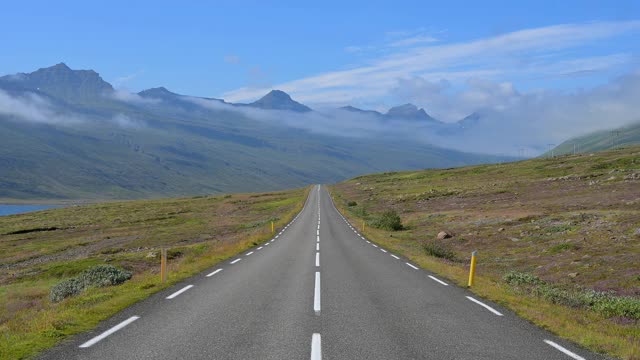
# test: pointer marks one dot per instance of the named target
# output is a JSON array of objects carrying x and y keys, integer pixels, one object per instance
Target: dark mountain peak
[
  {"x": 158, "y": 92},
  {"x": 60, "y": 66},
  {"x": 279, "y": 100},
  {"x": 358, "y": 110},
  {"x": 60, "y": 81},
  {"x": 409, "y": 111}
]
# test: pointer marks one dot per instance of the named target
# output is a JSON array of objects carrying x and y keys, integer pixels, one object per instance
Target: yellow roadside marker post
[
  {"x": 363, "y": 225},
  {"x": 273, "y": 229},
  {"x": 163, "y": 265},
  {"x": 472, "y": 269}
]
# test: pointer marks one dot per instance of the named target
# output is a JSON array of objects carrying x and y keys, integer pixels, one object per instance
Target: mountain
[
  {"x": 360, "y": 111},
  {"x": 469, "y": 121},
  {"x": 159, "y": 143},
  {"x": 73, "y": 86},
  {"x": 279, "y": 100},
  {"x": 159, "y": 93},
  {"x": 601, "y": 140},
  {"x": 411, "y": 112}
]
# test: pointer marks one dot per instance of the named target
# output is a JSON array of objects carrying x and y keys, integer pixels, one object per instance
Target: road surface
[{"x": 318, "y": 290}]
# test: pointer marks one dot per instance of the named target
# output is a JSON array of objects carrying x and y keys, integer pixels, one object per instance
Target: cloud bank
[
  {"x": 537, "y": 52},
  {"x": 510, "y": 120}
]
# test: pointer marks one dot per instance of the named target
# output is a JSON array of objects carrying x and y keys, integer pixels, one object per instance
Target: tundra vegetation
[
  {"x": 64, "y": 270},
  {"x": 558, "y": 238}
]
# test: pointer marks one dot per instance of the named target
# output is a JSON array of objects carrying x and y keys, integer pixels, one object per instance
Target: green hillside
[{"x": 602, "y": 140}]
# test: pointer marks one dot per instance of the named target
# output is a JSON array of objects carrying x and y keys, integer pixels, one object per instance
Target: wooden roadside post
[{"x": 163, "y": 265}]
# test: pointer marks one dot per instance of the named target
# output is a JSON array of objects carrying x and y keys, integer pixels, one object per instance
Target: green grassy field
[
  {"x": 569, "y": 226},
  {"x": 38, "y": 250}
]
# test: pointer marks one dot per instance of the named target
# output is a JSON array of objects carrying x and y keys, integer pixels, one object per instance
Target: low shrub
[
  {"x": 439, "y": 249},
  {"x": 352, "y": 203},
  {"x": 97, "y": 276},
  {"x": 603, "y": 302},
  {"x": 516, "y": 278},
  {"x": 388, "y": 220}
]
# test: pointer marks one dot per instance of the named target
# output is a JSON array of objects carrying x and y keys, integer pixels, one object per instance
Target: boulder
[{"x": 444, "y": 235}]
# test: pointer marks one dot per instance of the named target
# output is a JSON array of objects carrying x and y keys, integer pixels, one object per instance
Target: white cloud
[
  {"x": 36, "y": 109},
  {"x": 122, "y": 80},
  {"x": 33, "y": 108},
  {"x": 125, "y": 121},
  {"x": 232, "y": 59},
  {"x": 133, "y": 98},
  {"x": 413, "y": 40},
  {"x": 499, "y": 55}
]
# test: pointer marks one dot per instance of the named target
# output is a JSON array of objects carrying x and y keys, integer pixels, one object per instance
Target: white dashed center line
[
  {"x": 316, "y": 347},
  {"x": 317, "y": 259},
  {"x": 316, "y": 295}
]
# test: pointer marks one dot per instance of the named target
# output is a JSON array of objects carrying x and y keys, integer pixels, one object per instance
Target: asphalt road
[{"x": 317, "y": 290}]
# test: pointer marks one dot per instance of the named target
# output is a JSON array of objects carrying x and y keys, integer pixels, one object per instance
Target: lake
[{"x": 21, "y": 209}]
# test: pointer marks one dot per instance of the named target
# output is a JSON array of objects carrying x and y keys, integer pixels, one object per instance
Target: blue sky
[{"x": 330, "y": 53}]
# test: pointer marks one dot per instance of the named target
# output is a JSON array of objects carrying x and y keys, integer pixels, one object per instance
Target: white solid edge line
[
  {"x": 109, "y": 332},
  {"x": 235, "y": 261},
  {"x": 316, "y": 294},
  {"x": 485, "y": 306},
  {"x": 179, "y": 292},
  {"x": 316, "y": 347},
  {"x": 317, "y": 259},
  {"x": 249, "y": 253},
  {"x": 213, "y": 273},
  {"x": 395, "y": 257},
  {"x": 438, "y": 280},
  {"x": 565, "y": 351},
  {"x": 412, "y": 266}
]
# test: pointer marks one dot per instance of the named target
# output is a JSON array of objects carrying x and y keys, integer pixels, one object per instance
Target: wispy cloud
[
  {"x": 129, "y": 97},
  {"x": 123, "y": 80},
  {"x": 510, "y": 119},
  {"x": 414, "y": 40},
  {"x": 33, "y": 108},
  {"x": 232, "y": 59},
  {"x": 496, "y": 56}
]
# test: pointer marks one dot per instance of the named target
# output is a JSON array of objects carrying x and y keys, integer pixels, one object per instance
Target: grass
[
  {"x": 571, "y": 222},
  {"x": 199, "y": 233}
]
